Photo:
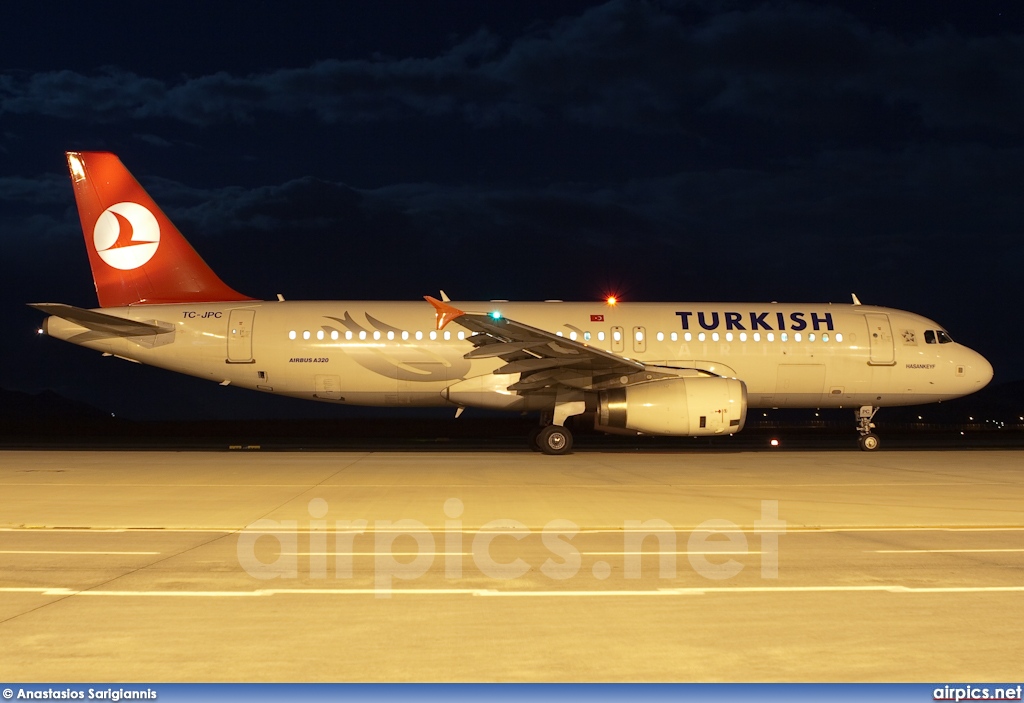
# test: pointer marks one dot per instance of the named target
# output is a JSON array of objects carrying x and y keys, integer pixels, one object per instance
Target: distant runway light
[{"x": 774, "y": 442}]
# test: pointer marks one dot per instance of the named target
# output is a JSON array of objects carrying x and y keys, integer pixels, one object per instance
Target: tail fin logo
[{"x": 126, "y": 236}]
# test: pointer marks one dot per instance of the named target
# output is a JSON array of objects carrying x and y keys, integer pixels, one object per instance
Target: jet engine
[{"x": 701, "y": 405}]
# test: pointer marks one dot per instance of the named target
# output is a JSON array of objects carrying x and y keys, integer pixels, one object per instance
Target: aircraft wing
[
  {"x": 101, "y": 322},
  {"x": 543, "y": 360}
]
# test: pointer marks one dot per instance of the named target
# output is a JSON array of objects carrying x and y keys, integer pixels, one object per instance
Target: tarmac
[{"x": 154, "y": 566}]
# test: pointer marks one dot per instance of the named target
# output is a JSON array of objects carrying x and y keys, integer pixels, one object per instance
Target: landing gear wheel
[
  {"x": 555, "y": 439},
  {"x": 531, "y": 439},
  {"x": 869, "y": 442}
]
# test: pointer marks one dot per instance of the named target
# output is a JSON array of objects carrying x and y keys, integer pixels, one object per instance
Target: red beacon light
[{"x": 611, "y": 300}]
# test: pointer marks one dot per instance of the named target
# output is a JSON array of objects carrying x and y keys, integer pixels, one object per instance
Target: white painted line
[
  {"x": 488, "y": 592},
  {"x": 376, "y": 554},
  {"x": 943, "y": 551},
  {"x": 657, "y": 553},
  {"x": 27, "y": 551},
  {"x": 682, "y": 529},
  {"x": 469, "y": 554}
]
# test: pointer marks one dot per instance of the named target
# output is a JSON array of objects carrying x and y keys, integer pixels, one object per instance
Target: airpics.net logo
[
  {"x": 134, "y": 227},
  {"x": 498, "y": 550}
]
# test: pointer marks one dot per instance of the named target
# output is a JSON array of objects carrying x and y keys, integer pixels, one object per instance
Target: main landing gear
[
  {"x": 868, "y": 440},
  {"x": 550, "y": 439},
  {"x": 553, "y": 437}
]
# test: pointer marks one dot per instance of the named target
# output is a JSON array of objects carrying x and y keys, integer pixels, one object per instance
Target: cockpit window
[
  {"x": 929, "y": 336},
  {"x": 944, "y": 338}
]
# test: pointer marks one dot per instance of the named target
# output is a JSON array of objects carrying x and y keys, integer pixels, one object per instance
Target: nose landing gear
[{"x": 868, "y": 440}]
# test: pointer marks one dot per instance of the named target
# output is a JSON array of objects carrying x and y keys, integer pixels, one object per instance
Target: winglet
[
  {"x": 445, "y": 313},
  {"x": 856, "y": 300}
]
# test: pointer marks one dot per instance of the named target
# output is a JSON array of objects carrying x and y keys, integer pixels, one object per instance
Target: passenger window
[{"x": 929, "y": 336}]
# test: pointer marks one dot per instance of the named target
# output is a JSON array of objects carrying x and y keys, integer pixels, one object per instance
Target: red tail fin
[{"x": 136, "y": 253}]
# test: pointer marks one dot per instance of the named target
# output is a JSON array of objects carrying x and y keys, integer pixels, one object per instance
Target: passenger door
[
  {"x": 883, "y": 352},
  {"x": 240, "y": 323}
]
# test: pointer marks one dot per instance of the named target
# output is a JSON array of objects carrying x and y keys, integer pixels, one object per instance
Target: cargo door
[
  {"x": 328, "y": 387},
  {"x": 799, "y": 385}
]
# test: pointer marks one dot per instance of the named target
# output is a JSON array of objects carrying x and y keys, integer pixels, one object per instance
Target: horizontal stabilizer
[{"x": 101, "y": 322}]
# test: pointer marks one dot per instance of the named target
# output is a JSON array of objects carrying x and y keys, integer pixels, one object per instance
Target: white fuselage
[{"x": 389, "y": 353}]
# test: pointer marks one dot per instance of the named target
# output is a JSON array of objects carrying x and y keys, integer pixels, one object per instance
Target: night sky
[{"x": 687, "y": 151}]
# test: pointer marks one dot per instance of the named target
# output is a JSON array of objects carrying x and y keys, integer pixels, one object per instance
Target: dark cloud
[{"x": 623, "y": 65}]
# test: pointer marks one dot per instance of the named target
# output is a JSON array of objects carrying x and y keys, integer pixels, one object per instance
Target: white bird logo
[{"x": 126, "y": 236}]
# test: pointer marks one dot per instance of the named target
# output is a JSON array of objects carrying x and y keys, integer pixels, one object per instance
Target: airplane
[{"x": 677, "y": 369}]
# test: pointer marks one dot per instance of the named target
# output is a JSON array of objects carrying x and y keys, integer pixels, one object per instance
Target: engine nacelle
[{"x": 676, "y": 406}]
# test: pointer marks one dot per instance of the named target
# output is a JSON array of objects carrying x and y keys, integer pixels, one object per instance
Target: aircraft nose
[{"x": 979, "y": 370}]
